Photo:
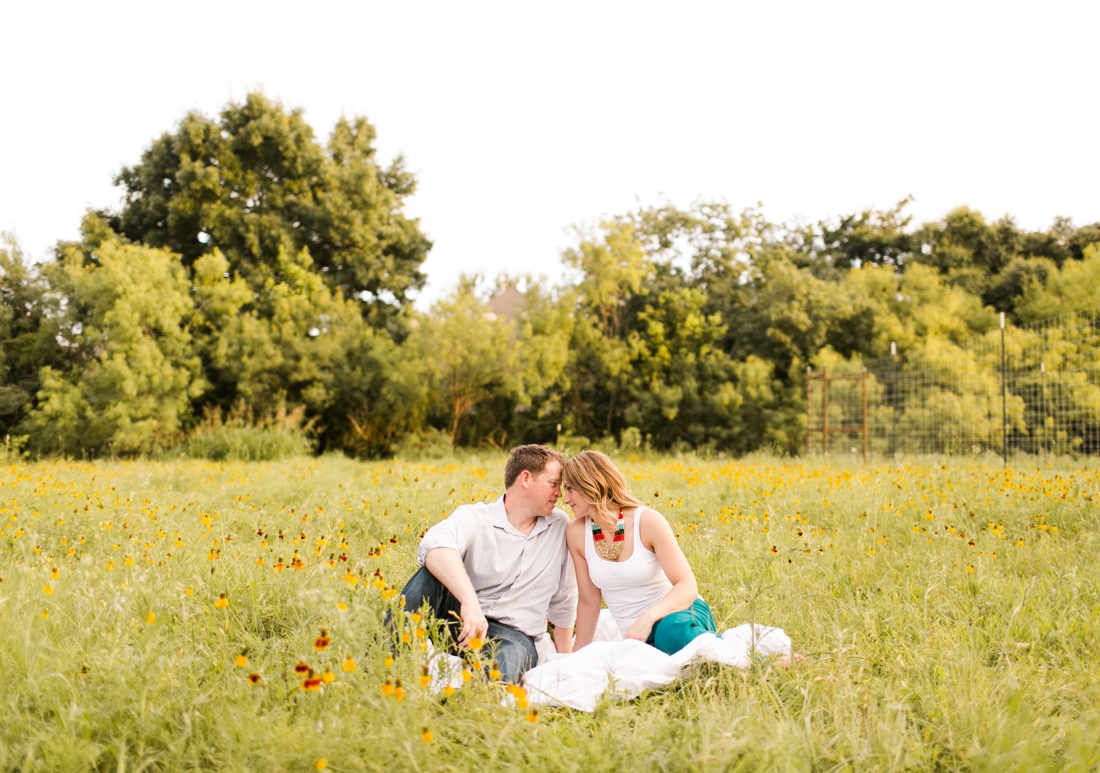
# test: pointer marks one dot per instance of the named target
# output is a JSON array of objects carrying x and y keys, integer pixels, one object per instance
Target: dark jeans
[{"x": 515, "y": 650}]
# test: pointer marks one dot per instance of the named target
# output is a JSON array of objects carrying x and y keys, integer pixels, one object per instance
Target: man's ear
[{"x": 525, "y": 478}]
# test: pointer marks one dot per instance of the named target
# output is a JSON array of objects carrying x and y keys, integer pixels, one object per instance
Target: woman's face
[{"x": 580, "y": 506}]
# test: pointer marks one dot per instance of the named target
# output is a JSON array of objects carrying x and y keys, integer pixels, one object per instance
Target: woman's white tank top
[{"x": 629, "y": 587}]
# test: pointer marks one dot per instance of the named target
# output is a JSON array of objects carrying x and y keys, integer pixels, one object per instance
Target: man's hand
[
  {"x": 473, "y": 623},
  {"x": 446, "y": 565}
]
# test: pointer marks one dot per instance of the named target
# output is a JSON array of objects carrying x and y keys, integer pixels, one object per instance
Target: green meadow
[{"x": 187, "y": 615}]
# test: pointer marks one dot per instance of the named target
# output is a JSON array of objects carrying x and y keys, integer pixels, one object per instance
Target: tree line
[{"x": 253, "y": 271}]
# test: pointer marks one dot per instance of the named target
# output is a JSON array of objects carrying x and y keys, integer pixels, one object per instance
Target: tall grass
[
  {"x": 947, "y": 609},
  {"x": 243, "y": 438}
]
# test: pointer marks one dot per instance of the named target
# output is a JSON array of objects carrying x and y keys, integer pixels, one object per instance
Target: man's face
[{"x": 545, "y": 488}]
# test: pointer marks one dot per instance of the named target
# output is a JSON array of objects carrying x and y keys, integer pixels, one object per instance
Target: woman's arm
[
  {"x": 588, "y": 595},
  {"x": 658, "y": 536}
]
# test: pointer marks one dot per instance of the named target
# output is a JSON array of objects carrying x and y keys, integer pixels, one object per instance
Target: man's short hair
[{"x": 533, "y": 458}]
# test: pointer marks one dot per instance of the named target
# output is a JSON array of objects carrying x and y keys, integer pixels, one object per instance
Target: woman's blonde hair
[{"x": 598, "y": 480}]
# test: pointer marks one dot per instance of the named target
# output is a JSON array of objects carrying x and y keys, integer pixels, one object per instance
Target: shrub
[{"x": 241, "y": 438}]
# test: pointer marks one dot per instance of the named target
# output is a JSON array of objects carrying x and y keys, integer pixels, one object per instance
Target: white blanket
[{"x": 624, "y": 669}]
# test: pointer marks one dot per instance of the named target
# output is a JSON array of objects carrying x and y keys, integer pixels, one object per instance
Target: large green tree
[
  {"x": 254, "y": 183},
  {"x": 28, "y": 327},
  {"x": 133, "y": 372}
]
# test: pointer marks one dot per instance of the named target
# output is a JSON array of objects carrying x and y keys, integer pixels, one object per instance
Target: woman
[{"x": 626, "y": 554}]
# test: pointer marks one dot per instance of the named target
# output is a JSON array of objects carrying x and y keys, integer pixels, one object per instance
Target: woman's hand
[{"x": 641, "y": 628}]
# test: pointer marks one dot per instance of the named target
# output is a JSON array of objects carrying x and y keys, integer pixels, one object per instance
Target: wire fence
[{"x": 1021, "y": 390}]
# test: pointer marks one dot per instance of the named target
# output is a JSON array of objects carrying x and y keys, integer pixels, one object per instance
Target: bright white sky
[{"x": 522, "y": 120}]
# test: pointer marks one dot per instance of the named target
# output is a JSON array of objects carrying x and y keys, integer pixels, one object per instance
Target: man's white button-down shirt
[{"x": 521, "y": 580}]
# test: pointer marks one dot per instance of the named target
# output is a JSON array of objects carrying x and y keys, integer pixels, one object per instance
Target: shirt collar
[{"x": 500, "y": 520}]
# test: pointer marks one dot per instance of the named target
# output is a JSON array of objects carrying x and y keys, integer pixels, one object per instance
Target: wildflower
[
  {"x": 351, "y": 579},
  {"x": 494, "y": 672},
  {"x": 426, "y": 735},
  {"x": 322, "y": 642},
  {"x": 349, "y": 665},
  {"x": 321, "y": 764},
  {"x": 328, "y": 677},
  {"x": 519, "y": 694},
  {"x": 311, "y": 683},
  {"x": 466, "y": 675},
  {"x": 387, "y": 688},
  {"x": 222, "y": 602},
  {"x": 425, "y": 677},
  {"x": 47, "y": 589},
  {"x": 1020, "y": 543},
  {"x": 415, "y": 616},
  {"x": 190, "y": 591},
  {"x": 533, "y": 716},
  {"x": 342, "y": 607},
  {"x": 388, "y": 662},
  {"x": 302, "y": 667},
  {"x": 476, "y": 643},
  {"x": 448, "y": 691},
  {"x": 398, "y": 692},
  {"x": 150, "y": 618},
  {"x": 241, "y": 661},
  {"x": 970, "y": 570},
  {"x": 255, "y": 678}
]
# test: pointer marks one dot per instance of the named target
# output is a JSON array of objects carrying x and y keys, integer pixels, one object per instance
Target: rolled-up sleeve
[
  {"x": 563, "y": 605},
  {"x": 455, "y": 532}
]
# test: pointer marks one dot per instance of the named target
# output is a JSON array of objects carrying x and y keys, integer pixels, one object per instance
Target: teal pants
[{"x": 673, "y": 632}]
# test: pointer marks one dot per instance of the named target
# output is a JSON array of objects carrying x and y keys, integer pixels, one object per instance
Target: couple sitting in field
[{"x": 498, "y": 572}]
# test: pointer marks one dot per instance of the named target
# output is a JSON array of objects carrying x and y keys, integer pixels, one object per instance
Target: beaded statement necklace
[{"x": 615, "y": 549}]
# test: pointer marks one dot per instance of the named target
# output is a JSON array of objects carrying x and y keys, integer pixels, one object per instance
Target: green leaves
[
  {"x": 136, "y": 372},
  {"x": 255, "y": 183}
]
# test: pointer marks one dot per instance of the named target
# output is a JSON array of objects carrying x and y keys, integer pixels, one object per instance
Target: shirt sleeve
[
  {"x": 563, "y": 605},
  {"x": 454, "y": 531}
]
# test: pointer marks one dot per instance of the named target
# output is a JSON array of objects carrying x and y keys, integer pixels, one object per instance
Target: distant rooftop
[{"x": 508, "y": 303}]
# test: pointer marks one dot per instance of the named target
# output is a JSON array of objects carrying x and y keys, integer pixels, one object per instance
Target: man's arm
[
  {"x": 446, "y": 565},
  {"x": 563, "y": 638}
]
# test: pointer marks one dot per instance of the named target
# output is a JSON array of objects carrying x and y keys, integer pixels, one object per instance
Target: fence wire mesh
[{"x": 1032, "y": 389}]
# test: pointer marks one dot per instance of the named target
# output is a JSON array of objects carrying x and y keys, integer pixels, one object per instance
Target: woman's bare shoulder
[
  {"x": 653, "y": 523},
  {"x": 575, "y": 529}
]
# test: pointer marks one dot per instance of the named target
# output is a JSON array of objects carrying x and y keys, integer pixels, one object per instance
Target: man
[{"x": 499, "y": 571}]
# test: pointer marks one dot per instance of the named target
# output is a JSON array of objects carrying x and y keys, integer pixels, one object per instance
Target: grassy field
[{"x": 172, "y": 616}]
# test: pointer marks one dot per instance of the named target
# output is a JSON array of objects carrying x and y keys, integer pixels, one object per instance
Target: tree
[
  {"x": 1075, "y": 287},
  {"x": 870, "y": 237},
  {"x": 124, "y": 327},
  {"x": 613, "y": 268},
  {"x": 254, "y": 183},
  {"x": 465, "y": 356},
  {"x": 28, "y": 329}
]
